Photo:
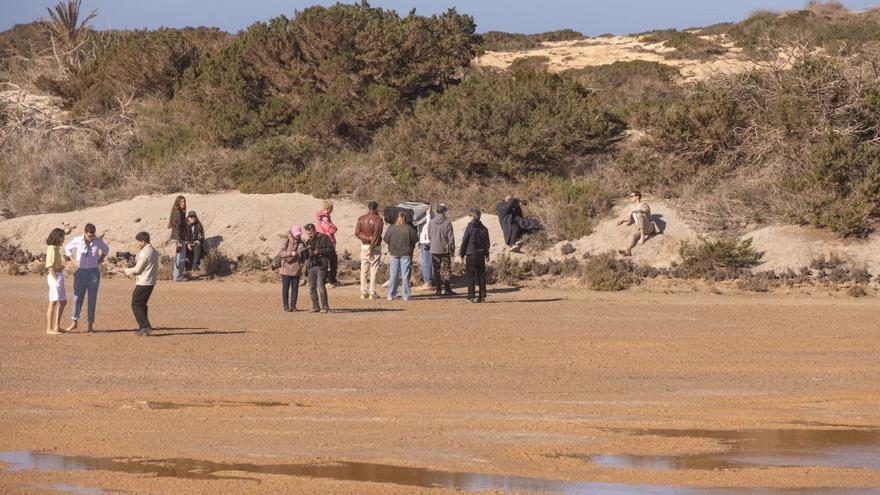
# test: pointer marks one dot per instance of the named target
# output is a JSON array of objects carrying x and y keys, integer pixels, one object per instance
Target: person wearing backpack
[
  {"x": 291, "y": 257},
  {"x": 474, "y": 252}
]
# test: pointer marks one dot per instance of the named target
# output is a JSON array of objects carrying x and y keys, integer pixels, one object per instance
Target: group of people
[
  {"x": 86, "y": 253},
  {"x": 309, "y": 253}
]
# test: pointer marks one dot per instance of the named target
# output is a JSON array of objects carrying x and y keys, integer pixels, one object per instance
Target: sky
[{"x": 591, "y": 17}]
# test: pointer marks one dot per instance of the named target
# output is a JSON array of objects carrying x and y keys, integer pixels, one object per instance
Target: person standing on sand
[
  {"x": 510, "y": 215},
  {"x": 177, "y": 224},
  {"x": 425, "y": 264},
  {"x": 640, "y": 215},
  {"x": 442, "y": 238},
  {"x": 87, "y": 252},
  {"x": 291, "y": 253},
  {"x": 55, "y": 279},
  {"x": 195, "y": 240},
  {"x": 318, "y": 248},
  {"x": 325, "y": 226},
  {"x": 369, "y": 231},
  {"x": 475, "y": 253},
  {"x": 402, "y": 240},
  {"x": 145, "y": 269}
]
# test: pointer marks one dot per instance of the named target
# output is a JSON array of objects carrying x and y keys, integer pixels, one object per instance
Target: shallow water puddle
[
  {"x": 187, "y": 405},
  {"x": 364, "y": 472},
  {"x": 851, "y": 448}
]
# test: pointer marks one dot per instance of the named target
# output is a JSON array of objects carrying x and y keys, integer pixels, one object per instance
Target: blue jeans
[
  {"x": 289, "y": 291},
  {"x": 425, "y": 265},
  {"x": 401, "y": 267},
  {"x": 179, "y": 263},
  {"x": 85, "y": 280}
]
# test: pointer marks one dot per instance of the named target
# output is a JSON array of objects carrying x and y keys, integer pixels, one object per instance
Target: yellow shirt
[{"x": 54, "y": 260}]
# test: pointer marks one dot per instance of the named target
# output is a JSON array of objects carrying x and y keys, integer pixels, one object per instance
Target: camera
[{"x": 128, "y": 257}]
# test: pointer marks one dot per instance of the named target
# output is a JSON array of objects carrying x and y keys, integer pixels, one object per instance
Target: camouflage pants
[{"x": 442, "y": 269}]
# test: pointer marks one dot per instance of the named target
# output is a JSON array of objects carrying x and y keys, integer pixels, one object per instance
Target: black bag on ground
[{"x": 391, "y": 213}]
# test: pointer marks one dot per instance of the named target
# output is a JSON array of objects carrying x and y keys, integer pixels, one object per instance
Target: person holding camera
[
  {"x": 145, "y": 270},
  {"x": 195, "y": 240},
  {"x": 318, "y": 248},
  {"x": 510, "y": 215}
]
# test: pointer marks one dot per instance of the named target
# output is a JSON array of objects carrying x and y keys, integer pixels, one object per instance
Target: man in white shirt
[
  {"x": 425, "y": 254},
  {"x": 87, "y": 252}
]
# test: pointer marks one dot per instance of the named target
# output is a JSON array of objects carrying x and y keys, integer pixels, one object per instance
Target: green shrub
[
  {"x": 606, "y": 272},
  {"x": 273, "y": 165},
  {"x": 724, "y": 259},
  {"x": 339, "y": 72},
  {"x": 499, "y": 41},
  {"x": 504, "y": 270},
  {"x": 506, "y": 124}
]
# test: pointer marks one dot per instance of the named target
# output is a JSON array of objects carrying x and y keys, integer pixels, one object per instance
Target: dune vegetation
[{"x": 361, "y": 102}]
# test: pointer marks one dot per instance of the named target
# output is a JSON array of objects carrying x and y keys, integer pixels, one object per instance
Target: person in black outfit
[
  {"x": 195, "y": 240},
  {"x": 510, "y": 215},
  {"x": 318, "y": 249},
  {"x": 474, "y": 253}
]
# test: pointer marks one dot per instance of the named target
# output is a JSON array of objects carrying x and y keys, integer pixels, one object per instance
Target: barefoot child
[{"x": 55, "y": 279}]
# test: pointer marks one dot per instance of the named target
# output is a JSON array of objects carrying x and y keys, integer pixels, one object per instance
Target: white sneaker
[
  {"x": 364, "y": 295},
  {"x": 390, "y": 298},
  {"x": 374, "y": 296}
]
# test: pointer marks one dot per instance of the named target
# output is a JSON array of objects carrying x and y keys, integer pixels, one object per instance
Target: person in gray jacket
[
  {"x": 145, "y": 270},
  {"x": 442, "y": 240}
]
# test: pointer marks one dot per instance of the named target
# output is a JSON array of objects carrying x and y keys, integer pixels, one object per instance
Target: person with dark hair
[
  {"x": 195, "y": 241},
  {"x": 474, "y": 253},
  {"x": 442, "y": 239},
  {"x": 640, "y": 216},
  {"x": 510, "y": 215},
  {"x": 402, "y": 240},
  {"x": 325, "y": 226},
  {"x": 145, "y": 269},
  {"x": 318, "y": 249},
  {"x": 87, "y": 252},
  {"x": 177, "y": 224},
  {"x": 55, "y": 279},
  {"x": 369, "y": 231},
  {"x": 291, "y": 253},
  {"x": 425, "y": 265}
]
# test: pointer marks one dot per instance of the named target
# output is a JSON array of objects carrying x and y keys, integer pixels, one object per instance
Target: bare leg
[
  {"x": 59, "y": 312},
  {"x": 50, "y": 317}
]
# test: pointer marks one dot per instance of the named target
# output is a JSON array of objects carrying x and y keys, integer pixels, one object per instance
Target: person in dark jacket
[
  {"x": 318, "y": 249},
  {"x": 195, "y": 241},
  {"x": 402, "y": 239},
  {"x": 510, "y": 215},
  {"x": 177, "y": 224},
  {"x": 474, "y": 253}
]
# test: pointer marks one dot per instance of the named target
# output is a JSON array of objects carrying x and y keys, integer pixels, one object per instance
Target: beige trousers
[{"x": 370, "y": 260}]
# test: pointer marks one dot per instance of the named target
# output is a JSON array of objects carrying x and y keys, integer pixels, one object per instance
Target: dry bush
[
  {"x": 724, "y": 259},
  {"x": 504, "y": 270},
  {"x": 606, "y": 272}
]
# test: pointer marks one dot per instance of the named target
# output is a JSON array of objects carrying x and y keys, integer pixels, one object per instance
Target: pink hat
[{"x": 295, "y": 230}]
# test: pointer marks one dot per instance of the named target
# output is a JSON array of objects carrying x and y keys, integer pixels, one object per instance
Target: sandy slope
[
  {"x": 254, "y": 223},
  {"x": 236, "y": 223},
  {"x": 564, "y": 55}
]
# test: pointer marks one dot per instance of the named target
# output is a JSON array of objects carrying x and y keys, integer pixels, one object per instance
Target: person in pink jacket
[{"x": 325, "y": 226}]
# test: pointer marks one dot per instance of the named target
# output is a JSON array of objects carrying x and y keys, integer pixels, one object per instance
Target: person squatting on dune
[
  {"x": 55, "y": 279},
  {"x": 510, "y": 215},
  {"x": 145, "y": 269},
  {"x": 640, "y": 216},
  {"x": 291, "y": 253},
  {"x": 474, "y": 252},
  {"x": 325, "y": 226},
  {"x": 195, "y": 242},
  {"x": 318, "y": 249},
  {"x": 87, "y": 252},
  {"x": 177, "y": 224},
  {"x": 442, "y": 239},
  {"x": 402, "y": 240},
  {"x": 369, "y": 231}
]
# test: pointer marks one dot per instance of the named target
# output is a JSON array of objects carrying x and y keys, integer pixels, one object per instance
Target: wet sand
[{"x": 538, "y": 384}]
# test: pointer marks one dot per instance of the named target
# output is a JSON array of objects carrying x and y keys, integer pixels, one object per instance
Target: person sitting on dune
[{"x": 640, "y": 216}]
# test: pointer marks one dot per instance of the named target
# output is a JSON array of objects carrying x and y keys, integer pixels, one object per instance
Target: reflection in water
[
  {"x": 219, "y": 403},
  {"x": 854, "y": 448},
  {"x": 357, "y": 471}
]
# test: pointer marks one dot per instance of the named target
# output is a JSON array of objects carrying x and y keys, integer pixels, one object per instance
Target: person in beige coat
[
  {"x": 640, "y": 216},
  {"x": 145, "y": 270}
]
